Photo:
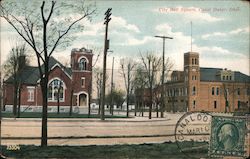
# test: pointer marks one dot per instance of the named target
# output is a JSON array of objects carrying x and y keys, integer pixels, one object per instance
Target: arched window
[
  {"x": 217, "y": 91},
  {"x": 212, "y": 90},
  {"x": 83, "y": 64},
  {"x": 194, "y": 90},
  {"x": 56, "y": 90}
]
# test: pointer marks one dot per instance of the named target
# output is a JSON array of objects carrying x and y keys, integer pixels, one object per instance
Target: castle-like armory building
[
  {"x": 63, "y": 81},
  {"x": 206, "y": 89}
]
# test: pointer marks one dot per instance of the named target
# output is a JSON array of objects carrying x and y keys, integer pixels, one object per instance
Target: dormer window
[{"x": 83, "y": 64}]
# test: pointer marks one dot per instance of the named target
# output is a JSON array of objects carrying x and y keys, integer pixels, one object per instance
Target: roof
[
  {"x": 240, "y": 77},
  {"x": 212, "y": 74},
  {"x": 30, "y": 74},
  {"x": 209, "y": 74}
]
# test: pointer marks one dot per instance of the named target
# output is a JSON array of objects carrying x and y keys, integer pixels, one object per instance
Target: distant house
[
  {"x": 204, "y": 89},
  {"x": 62, "y": 80}
]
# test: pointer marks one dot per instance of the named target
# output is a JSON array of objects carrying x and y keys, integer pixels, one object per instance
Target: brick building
[
  {"x": 62, "y": 82},
  {"x": 206, "y": 89}
]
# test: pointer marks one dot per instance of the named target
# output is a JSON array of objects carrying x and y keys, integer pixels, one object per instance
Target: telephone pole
[
  {"x": 163, "y": 74},
  {"x": 106, "y": 47}
]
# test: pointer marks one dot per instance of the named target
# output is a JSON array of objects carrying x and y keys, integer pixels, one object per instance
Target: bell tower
[
  {"x": 81, "y": 65},
  {"x": 192, "y": 79}
]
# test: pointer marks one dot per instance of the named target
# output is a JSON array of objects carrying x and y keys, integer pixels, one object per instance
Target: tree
[
  {"x": 90, "y": 81},
  {"x": 13, "y": 66},
  {"x": 45, "y": 27},
  {"x": 139, "y": 86},
  {"x": 151, "y": 64},
  {"x": 127, "y": 66},
  {"x": 118, "y": 97},
  {"x": 98, "y": 78}
]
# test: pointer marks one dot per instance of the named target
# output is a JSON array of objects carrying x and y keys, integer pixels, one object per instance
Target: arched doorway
[{"x": 82, "y": 99}]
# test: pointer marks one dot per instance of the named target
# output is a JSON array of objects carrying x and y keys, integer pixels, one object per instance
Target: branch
[{"x": 67, "y": 30}]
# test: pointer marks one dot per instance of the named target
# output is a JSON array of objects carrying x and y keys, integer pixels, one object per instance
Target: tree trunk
[
  {"x": 90, "y": 97},
  {"x": 19, "y": 101},
  {"x": 15, "y": 99},
  {"x": 58, "y": 104},
  {"x": 99, "y": 106},
  {"x": 44, "y": 83},
  {"x": 136, "y": 105},
  {"x": 157, "y": 110},
  {"x": 71, "y": 102},
  {"x": 150, "y": 103},
  {"x": 127, "y": 105}
]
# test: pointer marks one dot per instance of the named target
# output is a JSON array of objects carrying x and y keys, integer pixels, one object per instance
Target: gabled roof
[
  {"x": 30, "y": 74},
  {"x": 209, "y": 74},
  {"x": 212, "y": 74},
  {"x": 240, "y": 77}
]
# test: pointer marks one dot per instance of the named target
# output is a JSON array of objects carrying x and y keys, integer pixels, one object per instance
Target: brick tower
[
  {"x": 81, "y": 64},
  {"x": 192, "y": 79}
]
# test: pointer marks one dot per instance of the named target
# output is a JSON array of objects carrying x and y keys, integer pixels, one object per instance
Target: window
[
  {"x": 194, "y": 90},
  {"x": 217, "y": 91},
  {"x": 195, "y": 61},
  {"x": 194, "y": 104},
  {"x": 83, "y": 82},
  {"x": 83, "y": 64},
  {"x": 238, "y": 91},
  {"x": 215, "y": 104},
  {"x": 227, "y": 77},
  {"x": 212, "y": 90},
  {"x": 194, "y": 77},
  {"x": 31, "y": 94},
  {"x": 192, "y": 61},
  {"x": 248, "y": 91},
  {"x": 223, "y": 77},
  {"x": 238, "y": 104},
  {"x": 230, "y": 78},
  {"x": 56, "y": 89}
]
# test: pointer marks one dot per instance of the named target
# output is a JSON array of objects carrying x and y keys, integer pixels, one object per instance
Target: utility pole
[
  {"x": 163, "y": 74},
  {"x": 106, "y": 47},
  {"x": 112, "y": 86},
  {"x": 1, "y": 97}
]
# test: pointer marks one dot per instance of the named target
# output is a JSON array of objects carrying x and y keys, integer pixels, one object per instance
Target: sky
[{"x": 220, "y": 32}]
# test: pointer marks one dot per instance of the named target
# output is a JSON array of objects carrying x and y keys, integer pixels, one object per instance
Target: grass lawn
[
  {"x": 144, "y": 151},
  {"x": 55, "y": 115}
]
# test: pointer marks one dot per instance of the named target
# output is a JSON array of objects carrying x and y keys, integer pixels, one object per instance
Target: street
[{"x": 90, "y": 131}]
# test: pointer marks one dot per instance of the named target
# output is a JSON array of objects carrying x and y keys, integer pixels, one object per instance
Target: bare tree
[
  {"x": 95, "y": 50},
  {"x": 139, "y": 86},
  {"x": 151, "y": 65},
  {"x": 127, "y": 67},
  {"x": 98, "y": 77},
  {"x": 13, "y": 66},
  {"x": 45, "y": 27}
]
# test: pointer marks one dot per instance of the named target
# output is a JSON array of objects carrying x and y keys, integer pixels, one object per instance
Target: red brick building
[
  {"x": 206, "y": 89},
  {"x": 201, "y": 89},
  {"x": 62, "y": 81}
]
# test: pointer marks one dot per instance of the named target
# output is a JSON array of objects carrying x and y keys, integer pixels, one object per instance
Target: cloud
[
  {"x": 244, "y": 30},
  {"x": 121, "y": 23},
  {"x": 218, "y": 52},
  {"x": 240, "y": 30}
]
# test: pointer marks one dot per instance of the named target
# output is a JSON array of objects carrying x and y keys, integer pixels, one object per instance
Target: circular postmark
[{"x": 192, "y": 134}]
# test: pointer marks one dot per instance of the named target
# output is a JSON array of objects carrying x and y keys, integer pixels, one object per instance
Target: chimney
[{"x": 21, "y": 62}]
